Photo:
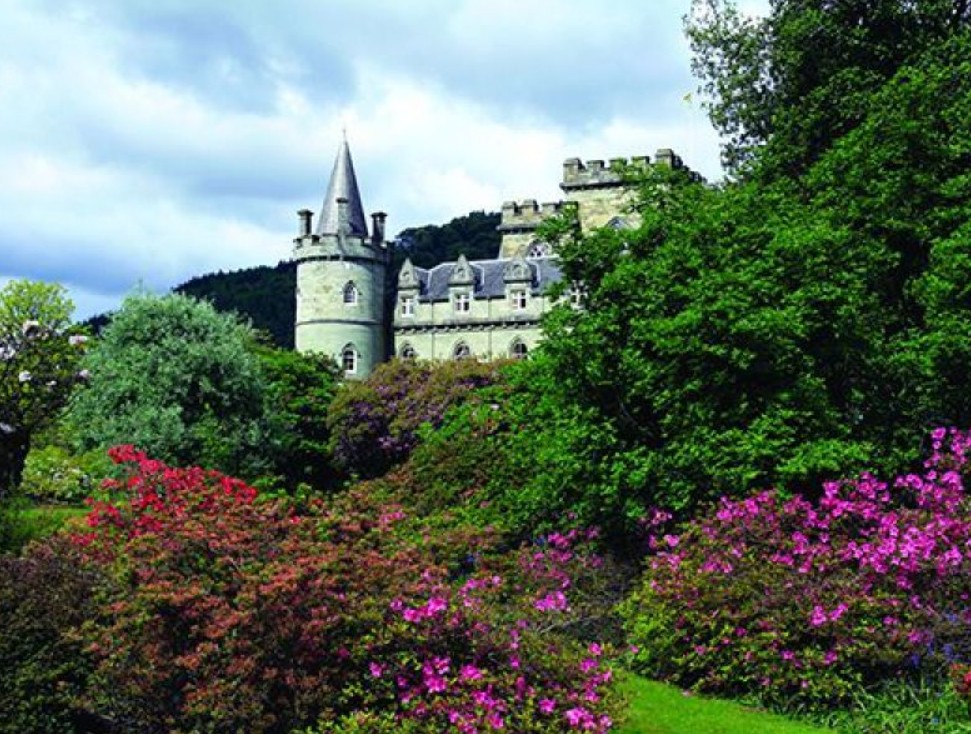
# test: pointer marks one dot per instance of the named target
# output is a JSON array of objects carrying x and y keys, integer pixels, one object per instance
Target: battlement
[
  {"x": 597, "y": 174},
  {"x": 527, "y": 214}
]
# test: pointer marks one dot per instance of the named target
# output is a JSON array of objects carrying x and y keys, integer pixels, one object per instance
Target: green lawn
[{"x": 661, "y": 709}]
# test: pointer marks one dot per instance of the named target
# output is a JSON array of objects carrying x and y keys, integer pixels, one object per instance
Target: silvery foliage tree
[
  {"x": 179, "y": 380},
  {"x": 39, "y": 356}
]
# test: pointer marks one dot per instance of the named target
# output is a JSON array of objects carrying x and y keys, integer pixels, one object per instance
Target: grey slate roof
[
  {"x": 489, "y": 281},
  {"x": 343, "y": 185}
]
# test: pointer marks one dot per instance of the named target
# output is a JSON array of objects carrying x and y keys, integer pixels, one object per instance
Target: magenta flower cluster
[
  {"x": 482, "y": 655},
  {"x": 814, "y": 599}
]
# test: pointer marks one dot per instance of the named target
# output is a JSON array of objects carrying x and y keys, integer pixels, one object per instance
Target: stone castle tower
[{"x": 343, "y": 277}]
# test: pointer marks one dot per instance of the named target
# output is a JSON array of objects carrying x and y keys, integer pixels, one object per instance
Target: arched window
[
  {"x": 349, "y": 359},
  {"x": 462, "y": 351},
  {"x": 350, "y": 293},
  {"x": 538, "y": 249},
  {"x": 618, "y": 223},
  {"x": 518, "y": 350},
  {"x": 408, "y": 352}
]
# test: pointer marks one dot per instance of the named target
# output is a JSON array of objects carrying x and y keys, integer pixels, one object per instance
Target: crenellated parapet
[
  {"x": 526, "y": 215},
  {"x": 344, "y": 243},
  {"x": 597, "y": 174}
]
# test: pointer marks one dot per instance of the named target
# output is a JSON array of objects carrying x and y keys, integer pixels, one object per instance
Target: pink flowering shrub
[
  {"x": 237, "y": 614},
  {"x": 808, "y": 601},
  {"x": 487, "y": 652}
]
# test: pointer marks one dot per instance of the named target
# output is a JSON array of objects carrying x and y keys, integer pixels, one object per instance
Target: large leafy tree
[
  {"x": 774, "y": 333},
  {"x": 799, "y": 78},
  {"x": 723, "y": 343},
  {"x": 177, "y": 378},
  {"x": 38, "y": 367}
]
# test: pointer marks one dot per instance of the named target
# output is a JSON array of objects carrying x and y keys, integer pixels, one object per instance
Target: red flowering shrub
[
  {"x": 374, "y": 423},
  {"x": 240, "y": 615},
  {"x": 961, "y": 677},
  {"x": 808, "y": 601}
]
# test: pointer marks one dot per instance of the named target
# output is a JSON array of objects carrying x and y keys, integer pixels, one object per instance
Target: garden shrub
[
  {"x": 300, "y": 387},
  {"x": 521, "y": 458},
  {"x": 810, "y": 601},
  {"x": 236, "y": 614},
  {"x": 374, "y": 423},
  {"x": 53, "y": 474},
  {"x": 44, "y": 596}
]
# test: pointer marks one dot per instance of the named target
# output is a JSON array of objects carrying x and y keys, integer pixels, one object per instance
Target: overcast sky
[{"x": 148, "y": 141}]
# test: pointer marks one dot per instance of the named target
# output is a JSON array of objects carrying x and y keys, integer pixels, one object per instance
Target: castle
[{"x": 350, "y": 304}]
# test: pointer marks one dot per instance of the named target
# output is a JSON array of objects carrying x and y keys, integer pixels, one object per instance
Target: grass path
[{"x": 661, "y": 709}]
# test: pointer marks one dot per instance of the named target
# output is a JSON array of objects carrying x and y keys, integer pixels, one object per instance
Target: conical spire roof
[{"x": 343, "y": 185}]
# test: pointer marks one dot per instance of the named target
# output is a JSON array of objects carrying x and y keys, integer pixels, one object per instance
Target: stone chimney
[
  {"x": 378, "y": 220},
  {"x": 306, "y": 219}
]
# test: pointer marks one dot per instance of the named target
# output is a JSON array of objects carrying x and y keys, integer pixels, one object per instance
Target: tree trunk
[{"x": 13, "y": 454}]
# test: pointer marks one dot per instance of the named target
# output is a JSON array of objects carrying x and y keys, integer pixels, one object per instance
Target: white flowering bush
[{"x": 39, "y": 358}]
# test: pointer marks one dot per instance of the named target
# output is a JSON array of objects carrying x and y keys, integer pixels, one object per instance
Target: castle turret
[{"x": 342, "y": 277}]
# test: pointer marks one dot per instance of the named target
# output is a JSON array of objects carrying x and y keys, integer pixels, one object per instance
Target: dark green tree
[
  {"x": 300, "y": 388},
  {"x": 473, "y": 235},
  {"x": 263, "y": 295},
  {"x": 800, "y": 78},
  {"x": 779, "y": 333}
]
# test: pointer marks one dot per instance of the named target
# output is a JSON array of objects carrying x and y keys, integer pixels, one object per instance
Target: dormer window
[
  {"x": 462, "y": 302},
  {"x": 408, "y": 306},
  {"x": 349, "y": 360},
  {"x": 462, "y": 273},
  {"x": 517, "y": 299},
  {"x": 350, "y": 294}
]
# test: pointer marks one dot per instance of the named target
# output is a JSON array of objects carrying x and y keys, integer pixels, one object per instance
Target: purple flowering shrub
[
  {"x": 807, "y": 602},
  {"x": 374, "y": 423}
]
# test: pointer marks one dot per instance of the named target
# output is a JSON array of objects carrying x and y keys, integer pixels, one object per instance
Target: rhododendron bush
[
  {"x": 808, "y": 601},
  {"x": 236, "y": 614},
  {"x": 374, "y": 423}
]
